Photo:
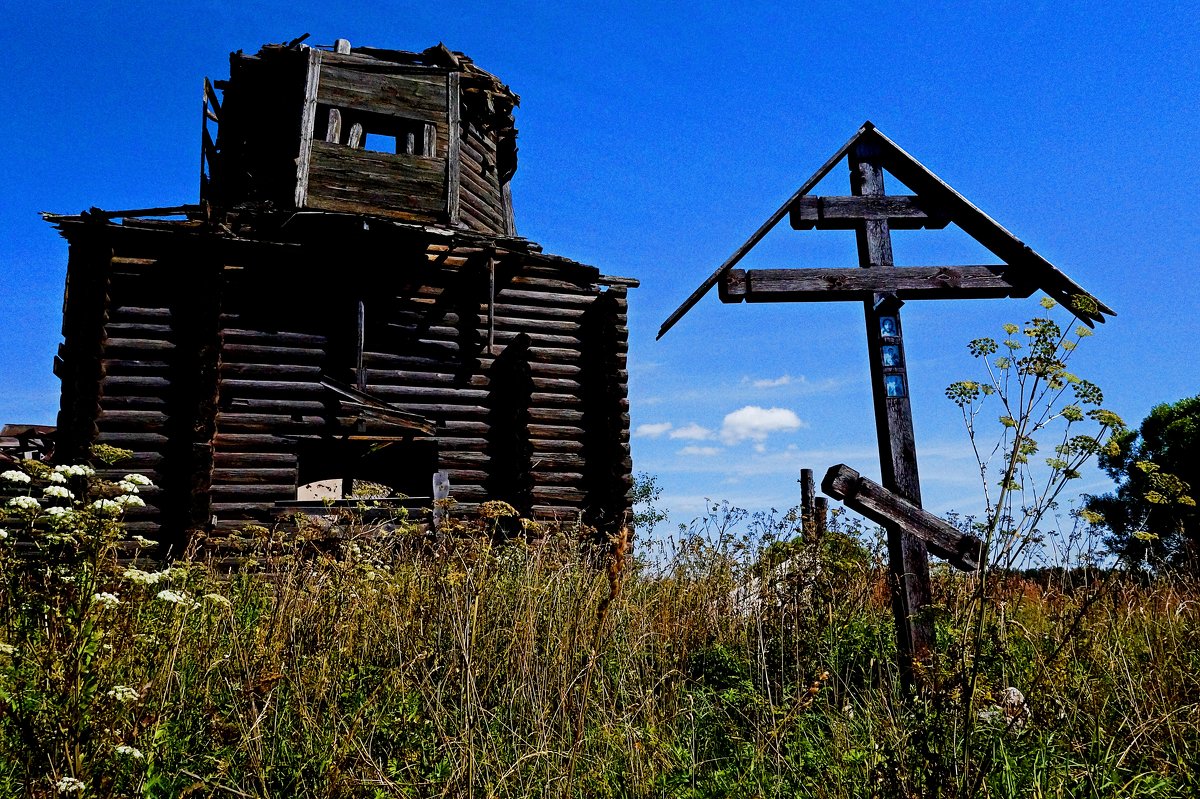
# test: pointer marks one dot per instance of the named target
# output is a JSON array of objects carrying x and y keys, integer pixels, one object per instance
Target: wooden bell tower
[{"x": 422, "y": 137}]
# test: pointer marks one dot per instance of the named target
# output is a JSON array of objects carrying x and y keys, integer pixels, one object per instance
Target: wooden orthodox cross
[{"x": 882, "y": 288}]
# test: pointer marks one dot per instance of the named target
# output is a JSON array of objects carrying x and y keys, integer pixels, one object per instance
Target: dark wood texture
[
  {"x": 342, "y": 178},
  {"x": 872, "y": 500},
  {"x": 906, "y": 282},
  {"x": 807, "y": 506},
  {"x": 454, "y": 152},
  {"x": 757, "y": 236},
  {"x": 937, "y": 200},
  {"x": 454, "y": 147},
  {"x": 845, "y": 213},
  {"x": 82, "y": 369},
  {"x": 414, "y": 336},
  {"x": 909, "y": 563}
]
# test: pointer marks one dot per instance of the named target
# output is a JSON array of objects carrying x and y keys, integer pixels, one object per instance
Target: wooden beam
[
  {"x": 907, "y": 283},
  {"x": 308, "y": 116},
  {"x": 453, "y": 147},
  {"x": 962, "y": 550},
  {"x": 987, "y": 231},
  {"x": 908, "y": 560},
  {"x": 903, "y": 212},
  {"x": 758, "y": 235}
]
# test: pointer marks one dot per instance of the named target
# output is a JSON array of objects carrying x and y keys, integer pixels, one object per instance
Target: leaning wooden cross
[{"x": 883, "y": 288}]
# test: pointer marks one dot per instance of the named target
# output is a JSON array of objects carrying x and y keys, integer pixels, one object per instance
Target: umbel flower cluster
[
  {"x": 37, "y": 495},
  {"x": 65, "y": 553}
]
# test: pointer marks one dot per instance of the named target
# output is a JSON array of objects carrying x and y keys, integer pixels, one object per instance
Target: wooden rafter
[{"x": 934, "y": 205}]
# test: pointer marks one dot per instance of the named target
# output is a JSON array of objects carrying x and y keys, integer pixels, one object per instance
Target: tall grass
[{"x": 410, "y": 665}]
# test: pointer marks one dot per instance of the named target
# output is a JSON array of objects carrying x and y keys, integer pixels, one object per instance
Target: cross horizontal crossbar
[
  {"x": 906, "y": 282},
  {"x": 902, "y": 212},
  {"x": 872, "y": 500}
]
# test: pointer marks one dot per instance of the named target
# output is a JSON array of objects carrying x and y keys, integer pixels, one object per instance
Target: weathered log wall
[{"x": 207, "y": 355}]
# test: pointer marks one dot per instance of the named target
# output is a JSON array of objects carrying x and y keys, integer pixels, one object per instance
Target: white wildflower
[
  {"x": 106, "y": 599},
  {"x": 130, "y": 752},
  {"x": 130, "y": 501},
  {"x": 75, "y": 470},
  {"x": 127, "y": 487},
  {"x": 142, "y": 541},
  {"x": 58, "y": 491},
  {"x": 8, "y": 649},
  {"x": 3, "y": 534},
  {"x": 173, "y": 596},
  {"x": 107, "y": 506},
  {"x": 142, "y": 578},
  {"x": 57, "y": 477},
  {"x": 25, "y": 503},
  {"x": 138, "y": 480},
  {"x": 217, "y": 599},
  {"x": 60, "y": 513},
  {"x": 13, "y": 476},
  {"x": 123, "y": 693},
  {"x": 71, "y": 785}
]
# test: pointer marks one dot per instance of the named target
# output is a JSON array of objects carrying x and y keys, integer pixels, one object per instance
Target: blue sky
[{"x": 654, "y": 138}]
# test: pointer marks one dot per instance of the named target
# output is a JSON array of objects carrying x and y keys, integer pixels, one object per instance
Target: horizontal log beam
[
  {"x": 902, "y": 212},
  {"x": 906, "y": 282},
  {"x": 885, "y": 507}
]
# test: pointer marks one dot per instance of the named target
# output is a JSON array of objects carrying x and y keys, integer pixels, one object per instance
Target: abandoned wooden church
[{"x": 348, "y": 301}]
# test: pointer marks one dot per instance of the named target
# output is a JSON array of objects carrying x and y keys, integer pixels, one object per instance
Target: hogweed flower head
[
  {"x": 75, "y": 470},
  {"x": 138, "y": 480},
  {"x": 70, "y": 785},
  {"x": 130, "y": 501},
  {"x": 127, "y": 486},
  {"x": 13, "y": 476},
  {"x": 107, "y": 506},
  {"x": 131, "y": 752},
  {"x": 57, "y": 477},
  {"x": 174, "y": 597},
  {"x": 106, "y": 599},
  {"x": 57, "y": 491},
  {"x": 24, "y": 503},
  {"x": 145, "y": 578},
  {"x": 123, "y": 693}
]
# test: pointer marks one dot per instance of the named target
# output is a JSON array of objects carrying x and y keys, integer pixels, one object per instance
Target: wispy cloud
[
  {"x": 756, "y": 424},
  {"x": 797, "y": 386},
  {"x": 653, "y": 430},
  {"x": 692, "y": 432},
  {"x": 700, "y": 452}
]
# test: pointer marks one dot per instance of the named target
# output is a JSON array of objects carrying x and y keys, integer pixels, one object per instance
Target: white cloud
[
  {"x": 652, "y": 430},
  {"x": 700, "y": 452},
  {"x": 692, "y": 432},
  {"x": 773, "y": 382},
  {"x": 755, "y": 423}
]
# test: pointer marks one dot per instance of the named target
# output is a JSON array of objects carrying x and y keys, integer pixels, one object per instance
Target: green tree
[{"x": 1152, "y": 515}]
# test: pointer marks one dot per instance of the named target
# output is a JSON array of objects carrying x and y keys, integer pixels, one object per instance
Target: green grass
[{"x": 410, "y": 666}]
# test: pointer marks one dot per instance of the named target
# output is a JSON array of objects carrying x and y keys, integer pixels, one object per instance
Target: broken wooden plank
[
  {"x": 872, "y": 500},
  {"x": 903, "y": 212}
]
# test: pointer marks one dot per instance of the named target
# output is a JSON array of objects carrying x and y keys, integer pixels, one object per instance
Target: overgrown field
[{"x": 411, "y": 665}]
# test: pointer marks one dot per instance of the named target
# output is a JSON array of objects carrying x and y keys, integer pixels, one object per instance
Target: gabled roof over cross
[{"x": 934, "y": 206}]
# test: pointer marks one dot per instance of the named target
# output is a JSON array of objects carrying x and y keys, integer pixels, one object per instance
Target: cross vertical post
[{"x": 909, "y": 560}]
